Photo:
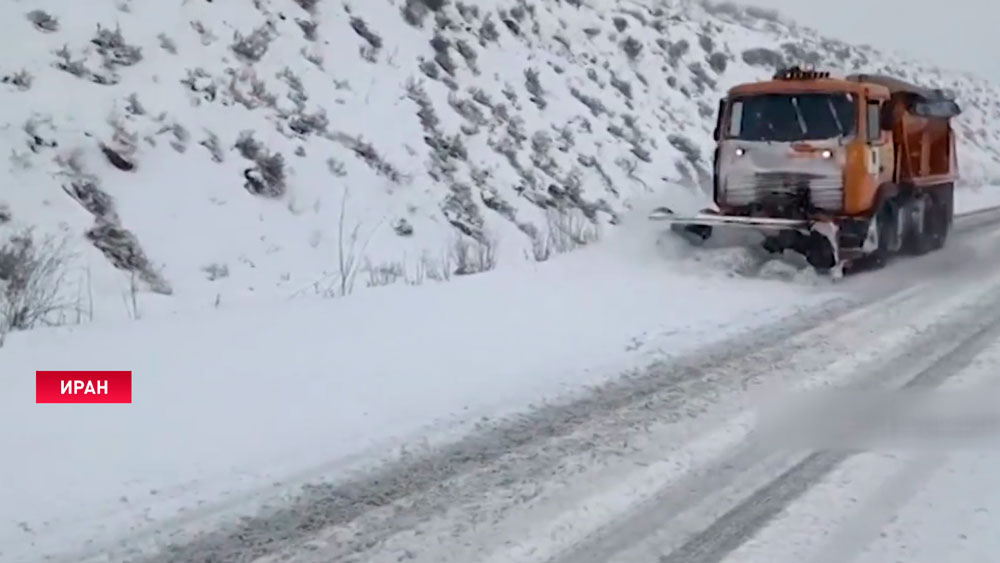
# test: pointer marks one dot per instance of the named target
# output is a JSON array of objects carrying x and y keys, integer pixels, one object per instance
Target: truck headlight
[{"x": 827, "y": 154}]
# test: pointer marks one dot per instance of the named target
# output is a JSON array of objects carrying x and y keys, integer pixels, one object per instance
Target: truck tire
[
  {"x": 919, "y": 237},
  {"x": 941, "y": 218},
  {"x": 886, "y": 230}
]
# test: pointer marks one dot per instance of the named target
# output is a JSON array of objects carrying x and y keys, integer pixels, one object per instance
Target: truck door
[{"x": 880, "y": 155}]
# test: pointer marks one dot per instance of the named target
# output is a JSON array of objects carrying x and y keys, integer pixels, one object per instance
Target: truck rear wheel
[
  {"x": 917, "y": 212},
  {"x": 930, "y": 231},
  {"x": 941, "y": 216},
  {"x": 887, "y": 229}
]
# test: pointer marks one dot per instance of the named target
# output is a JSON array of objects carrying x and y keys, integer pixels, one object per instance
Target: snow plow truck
[{"x": 844, "y": 171}]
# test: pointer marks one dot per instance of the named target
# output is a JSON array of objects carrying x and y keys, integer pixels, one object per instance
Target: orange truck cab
[{"x": 845, "y": 171}]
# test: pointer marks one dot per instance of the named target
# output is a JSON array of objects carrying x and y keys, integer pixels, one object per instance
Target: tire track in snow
[
  {"x": 738, "y": 525},
  {"x": 327, "y": 505},
  {"x": 679, "y": 510}
]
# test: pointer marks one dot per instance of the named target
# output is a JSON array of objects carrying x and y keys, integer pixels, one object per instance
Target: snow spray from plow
[{"x": 740, "y": 246}]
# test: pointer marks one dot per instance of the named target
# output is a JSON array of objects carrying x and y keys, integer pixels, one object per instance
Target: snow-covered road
[
  {"x": 665, "y": 465},
  {"x": 646, "y": 483},
  {"x": 656, "y": 463}
]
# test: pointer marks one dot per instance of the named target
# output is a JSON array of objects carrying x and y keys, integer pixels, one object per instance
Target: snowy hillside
[{"x": 201, "y": 153}]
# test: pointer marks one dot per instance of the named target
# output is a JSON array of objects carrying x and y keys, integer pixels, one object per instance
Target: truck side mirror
[{"x": 717, "y": 134}]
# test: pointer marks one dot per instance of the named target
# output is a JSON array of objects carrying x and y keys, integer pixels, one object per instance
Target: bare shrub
[
  {"x": 361, "y": 28},
  {"x": 473, "y": 255},
  {"x": 200, "y": 82},
  {"x": 297, "y": 94},
  {"x": 21, "y": 80},
  {"x": 700, "y": 78},
  {"x": 677, "y": 50},
  {"x": 469, "y": 13},
  {"x": 253, "y": 47},
  {"x": 718, "y": 62},
  {"x": 116, "y": 159},
  {"x": 247, "y": 146},
  {"x": 384, "y": 274},
  {"x": 351, "y": 249},
  {"x": 623, "y": 86},
  {"x": 414, "y": 11},
  {"x": 66, "y": 64},
  {"x": 216, "y": 271},
  {"x": 121, "y": 247},
  {"x": 367, "y": 153},
  {"x": 86, "y": 192},
  {"x": 706, "y": 42},
  {"x": 430, "y": 70},
  {"x": 207, "y": 37},
  {"x": 43, "y": 21},
  {"x": 469, "y": 54},
  {"x": 32, "y": 282},
  {"x": 534, "y": 87},
  {"x": 308, "y": 28},
  {"x": 336, "y": 167},
  {"x": 308, "y": 5},
  {"x": 309, "y": 123},
  {"x": 488, "y": 31},
  {"x": 595, "y": 105},
  {"x": 436, "y": 270},
  {"x": 402, "y": 227},
  {"x": 802, "y": 55},
  {"x": 167, "y": 44},
  {"x": 764, "y": 57},
  {"x": 257, "y": 95},
  {"x": 114, "y": 49},
  {"x": 315, "y": 57},
  {"x": 566, "y": 230},
  {"x": 211, "y": 143},
  {"x": 120, "y": 151},
  {"x": 267, "y": 177},
  {"x": 442, "y": 54},
  {"x": 632, "y": 48},
  {"x": 134, "y": 106},
  {"x": 687, "y": 147}
]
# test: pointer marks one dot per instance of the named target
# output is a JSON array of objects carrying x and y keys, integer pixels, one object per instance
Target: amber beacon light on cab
[{"x": 845, "y": 171}]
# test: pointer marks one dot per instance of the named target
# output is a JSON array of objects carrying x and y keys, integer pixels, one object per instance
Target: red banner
[{"x": 83, "y": 387}]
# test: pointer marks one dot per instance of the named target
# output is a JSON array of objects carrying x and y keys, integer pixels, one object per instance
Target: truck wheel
[
  {"x": 885, "y": 226},
  {"x": 919, "y": 237},
  {"x": 942, "y": 216},
  {"x": 819, "y": 253}
]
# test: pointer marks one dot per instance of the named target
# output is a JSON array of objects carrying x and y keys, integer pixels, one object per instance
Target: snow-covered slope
[{"x": 212, "y": 152}]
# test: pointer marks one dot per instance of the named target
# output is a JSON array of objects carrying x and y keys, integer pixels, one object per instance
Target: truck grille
[{"x": 825, "y": 192}]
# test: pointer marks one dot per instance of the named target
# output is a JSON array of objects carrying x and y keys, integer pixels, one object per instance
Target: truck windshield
[{"x": 792, "y": 117}]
